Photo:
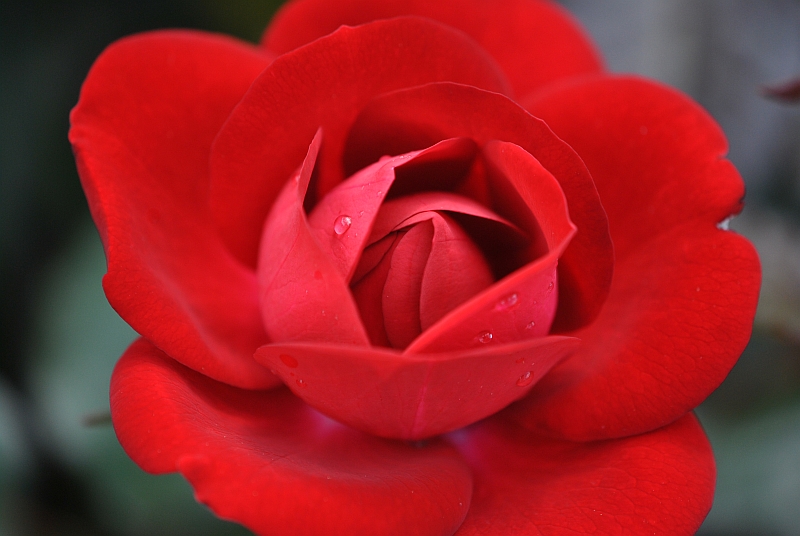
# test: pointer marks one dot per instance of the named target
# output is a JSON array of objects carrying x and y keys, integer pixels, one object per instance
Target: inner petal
[
  {"x": 456, "y": 271},
  {"x": 401, "y": 293}
]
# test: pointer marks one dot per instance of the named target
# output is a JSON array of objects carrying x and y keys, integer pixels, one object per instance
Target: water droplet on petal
[
  {"x": 342, "y": 225},
  {"x": 520, "y": 360},
  {"x": 525, "y": 379},
  {"x": 300, "y": 383},
  {"x": 507, "y": 303},
  {"x": 530, "y": 325},
  {"x": 550, "y": 286},
  {"x": 485, "y": 337},
  {"x": 288, "y": 360}
]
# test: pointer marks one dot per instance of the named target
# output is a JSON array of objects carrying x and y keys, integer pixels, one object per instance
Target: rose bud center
[{"x": 415, "y": 274}]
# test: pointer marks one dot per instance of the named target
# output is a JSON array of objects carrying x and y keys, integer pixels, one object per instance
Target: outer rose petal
[
  {"x": 270, "y": 462},
  {"x": 413, "y": 118},
  {"x": 659, "y": 483},
  {"x": 535, "y": 42},
  {"x": 325, "y": 84},
  {"x": 684, "y": 294},
  {"x": 142, "y": 133},
  {"x": 412, "y": 396}
]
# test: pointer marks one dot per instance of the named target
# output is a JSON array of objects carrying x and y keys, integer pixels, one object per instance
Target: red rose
[{"x": 257, "y": 233}]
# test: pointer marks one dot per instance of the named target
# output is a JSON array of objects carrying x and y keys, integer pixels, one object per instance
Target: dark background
[{"x": 59, "y": 339}]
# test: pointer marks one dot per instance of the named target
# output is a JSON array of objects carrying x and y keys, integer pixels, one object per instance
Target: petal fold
[
  {"x": 303, "y": 294},
  {"x": 268, "y": 461}
]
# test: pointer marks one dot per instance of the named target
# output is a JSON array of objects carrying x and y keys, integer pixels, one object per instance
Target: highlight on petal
[
  {"x": 684, "y": 293},
  {"x": 142, "y": 131},
  {"x": 536, "y": 42},
  {"x": 657, "y": 483},
  {"x": 406, "y": 120},
  {"x": 324, "y": 84},
  {"x": 270, "y": 462},
  {"x": 412, "y": 396}
]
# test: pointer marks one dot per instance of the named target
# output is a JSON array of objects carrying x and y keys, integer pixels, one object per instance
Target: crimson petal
[
  {"x": 345, "y": 218},
  {"x": 657, "y": 483},
  {"x": 536, "y": 42},
  {"x": 684, "y": 294},
  {"x": 270, "y": 462},
  {"x": 303, "y": 295},
  {"x": 412, "y": 396},
  {"x": 409, "y": 119},
  {"x": 142, "y": 132},
  {"x": 325, "y": 84}
]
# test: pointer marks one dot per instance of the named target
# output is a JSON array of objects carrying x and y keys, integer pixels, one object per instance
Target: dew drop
[
  {"x": 301, "y": 383},
  {"x": 288, "y": 360},
  {"x": 525, "y": 379},
  {"x": 485, "y": 337},
  {"x": 342, "y": 225},
  {"x": 520, "y": 360},
  {"x": 550, "y": 286},
  {"x": 530, "y": 325},
  {"x": 507, "y": 303}
]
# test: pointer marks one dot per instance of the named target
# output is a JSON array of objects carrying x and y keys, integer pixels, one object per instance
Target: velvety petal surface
[
  {"x": 325, "y": 84},
  {"x": 344, "y": 220},
  {"x": 142, "y": 132},
  {"x": 412, "y": 396},
  {"x": 660, "y": 483},
  {"x": 273, "y": 464},
  {"x": 535, "y": 42},
  {"x": 410, "y": 119},
  {"x": 684, "y": 294},
  {"x": 303, "y": 294}
]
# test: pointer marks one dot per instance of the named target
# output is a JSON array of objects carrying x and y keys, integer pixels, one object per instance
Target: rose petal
[
  {"x": 414, "y": 396},
  {"x": 268, "y": 461},
  {"x": 655, "y": 155},
  {"x": 400, "y": 295},
  {"x": 142, "y": 132},
  {"x": 325, "y": 84},
  {"x": 396, "y": 213},
  {"x": 674, "y": 324},
  {"x": 367, "y": 287},
  {"x": 303, "y": 295},
  {"x": 535, "y": 42},
  {"x": 523, "y": 304},
  {"x": 408, "y": 119},
  {"x": 684, "y": 294},
  {"x": 657, "y": 483},
  {"x": 455, "y": 272},
  {"x": 359, "y": 198}
]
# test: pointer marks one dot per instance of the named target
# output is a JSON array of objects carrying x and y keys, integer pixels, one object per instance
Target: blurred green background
[{"x": 61, "y": 469}]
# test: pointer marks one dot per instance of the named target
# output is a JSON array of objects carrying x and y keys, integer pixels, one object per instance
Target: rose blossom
[{"x": 413, "y": 215}]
